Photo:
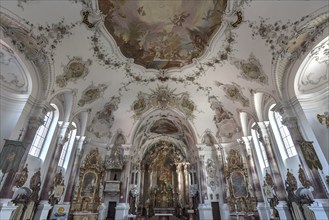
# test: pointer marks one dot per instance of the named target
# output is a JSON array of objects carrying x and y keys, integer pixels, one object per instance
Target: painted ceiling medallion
[{"x": 162, "y": 34}]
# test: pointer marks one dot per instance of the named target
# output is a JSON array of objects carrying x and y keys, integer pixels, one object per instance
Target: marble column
[
  {"x": 141, "y": 183},
  {"x": 179, "y": 182},
  {"x": 262, "y": 129},
  {"x": 312, "y": 174},
  {"x": 74, "y": 171},
  {"x": 66, "y": 128},
  {"x": 253, "y": 175},
  {"x": 32, "y": 127},
  {"x": 186, "y": 182},
  {"x": 203, "y": 186}
]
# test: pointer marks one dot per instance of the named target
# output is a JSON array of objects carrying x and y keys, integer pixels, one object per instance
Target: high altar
[{"x": 165, "y": 181}]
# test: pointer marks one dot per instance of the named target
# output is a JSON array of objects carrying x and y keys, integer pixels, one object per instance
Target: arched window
[
  {"x": 282, "y": 135},
  {"x": 43, "y": 132},
  {"x": 67, "y": 148}
]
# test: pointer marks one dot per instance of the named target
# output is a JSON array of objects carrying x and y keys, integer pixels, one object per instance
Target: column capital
[
  {"x": 35, "y": 122},
  {"x": 290, "y": 122},
  {"x": 42, "y": 108}
]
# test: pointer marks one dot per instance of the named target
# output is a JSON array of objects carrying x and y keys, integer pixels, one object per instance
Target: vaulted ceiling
[{"x": 166, "y": 69}]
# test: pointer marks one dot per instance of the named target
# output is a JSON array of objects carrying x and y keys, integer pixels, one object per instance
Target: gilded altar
[
  {"x": 87, "y": 195},
  {"x": 166, "y": 179},
  {"x": 239, "y": 192}
]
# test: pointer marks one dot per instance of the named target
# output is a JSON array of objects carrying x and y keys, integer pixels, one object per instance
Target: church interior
[{"x": 164, "y": 109}]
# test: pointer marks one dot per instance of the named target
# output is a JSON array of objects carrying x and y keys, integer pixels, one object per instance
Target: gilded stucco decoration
[
  {"x": 162, "y": 34},
  {"x": 251, "y": 69},
  {"x": 212, "y": 179},
  {"x": 22, "y": 179},
  {"x": 163, "y": 97},
  {"x": 103, "y": 120},
  {"x": 91, "y": 93},
  {"x": 74, "y": 70},
  {"x": 310, "y": 155},
  {"x": 234, "y": 93},
  {"x": 240, "y": 197},
  {"x": 223, "y": 119},
  {"x": 86, "y": 197},
  {"x": 302, "y": 177},
  {"x": 35, "y": 184}
]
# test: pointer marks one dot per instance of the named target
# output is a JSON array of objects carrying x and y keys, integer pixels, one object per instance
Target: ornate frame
[{"x": 87, "y": 197}]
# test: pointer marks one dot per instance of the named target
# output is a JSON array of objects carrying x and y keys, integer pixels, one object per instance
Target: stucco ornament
[
  {"x": 103, "y": 120},
  {"x": 211, "y": 174},
  {"x": 115, "y": 160},
  {"x": 234, "y": 93},
  {"x": 251, "y": 69},
  {"x": 75, "y": 69},
  {"x": 223, "y": 119},
  {"x": 163, "y": 97},
  {"x": 92, "y": 93}
]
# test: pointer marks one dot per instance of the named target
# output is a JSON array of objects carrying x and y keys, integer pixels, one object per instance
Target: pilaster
[{"x": 253, "y": 175}]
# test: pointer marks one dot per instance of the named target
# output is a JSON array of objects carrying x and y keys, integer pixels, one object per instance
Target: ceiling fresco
[
  {"x": 164, "y": 70},
  {"x": 162, "y": 34}
]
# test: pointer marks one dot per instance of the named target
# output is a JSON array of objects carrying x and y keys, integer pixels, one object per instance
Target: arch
[{"x": 149, "y": 131}]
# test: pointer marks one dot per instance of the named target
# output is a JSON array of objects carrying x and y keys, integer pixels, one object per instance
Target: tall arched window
[
  {"x": 40, "y": 136},
  {"x": 282, "y": 135},
  {"x": 44, "y": 134}
]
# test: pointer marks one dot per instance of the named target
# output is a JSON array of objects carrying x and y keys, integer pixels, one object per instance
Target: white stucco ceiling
[{"x": 258, "y": 39}]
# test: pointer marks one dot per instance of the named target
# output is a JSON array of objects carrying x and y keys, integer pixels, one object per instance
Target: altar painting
[
  {"x": 88, "y": 185},
  {"x": 239, "y": 185}
]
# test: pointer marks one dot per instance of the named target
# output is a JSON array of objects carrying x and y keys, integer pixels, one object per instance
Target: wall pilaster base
[
  {"x": 42, "y": 210},
  {"x": 264, "y": 211},
  {"x": 6, "y": 208},
  {"x": 283, "y": 210},
  {"x": 121, "y": 211},
  {"x": 205, "y": 212},
  {"x": 320, "y": 208}
]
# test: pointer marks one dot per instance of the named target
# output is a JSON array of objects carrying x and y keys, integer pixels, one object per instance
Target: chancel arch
[{"x": 164, "y": 146}]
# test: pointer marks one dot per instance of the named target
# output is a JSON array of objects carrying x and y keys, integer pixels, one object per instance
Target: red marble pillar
[
  {"x": 252, "y": 170},
  {"x": 72, "y": 179},
  {"x": 48, "y": 183},
  {"x": 262, "y": 131}
]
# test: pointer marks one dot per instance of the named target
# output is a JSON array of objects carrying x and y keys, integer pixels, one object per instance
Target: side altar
[{"x": 87, "y": 196}]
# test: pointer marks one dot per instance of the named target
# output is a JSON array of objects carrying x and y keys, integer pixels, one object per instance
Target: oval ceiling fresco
[{"x": 162, "y": 34}]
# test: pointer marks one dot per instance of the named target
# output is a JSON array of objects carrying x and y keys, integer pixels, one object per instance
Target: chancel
[{"x": 164, "y": 110}]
